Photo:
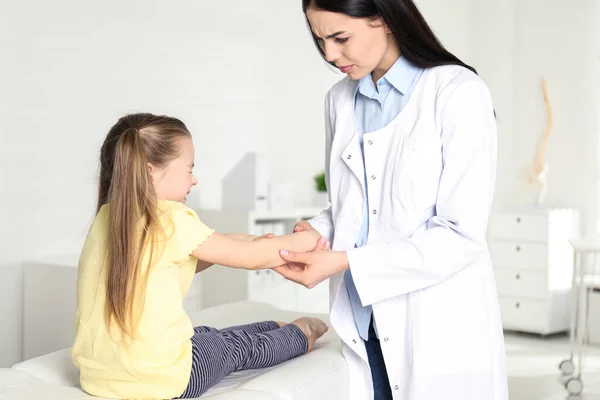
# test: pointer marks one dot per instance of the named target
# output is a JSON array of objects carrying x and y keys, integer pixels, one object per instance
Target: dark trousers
[{"x": 381, "y": 383}]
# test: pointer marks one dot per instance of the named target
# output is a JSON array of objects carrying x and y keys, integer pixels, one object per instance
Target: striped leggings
[{"x": 217, "y": 353}]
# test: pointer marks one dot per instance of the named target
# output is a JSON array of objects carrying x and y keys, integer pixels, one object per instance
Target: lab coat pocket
[
  {"x": 451, "y": 327},
  {"x": 416, "y": 174}
]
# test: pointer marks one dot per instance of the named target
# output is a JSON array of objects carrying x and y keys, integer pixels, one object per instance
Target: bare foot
[
  {"x": 281, "y": 324},
  {"x": 313, "y": 328}
]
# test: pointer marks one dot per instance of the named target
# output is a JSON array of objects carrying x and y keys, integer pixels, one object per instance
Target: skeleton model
[{"x": 537, "y": 173}]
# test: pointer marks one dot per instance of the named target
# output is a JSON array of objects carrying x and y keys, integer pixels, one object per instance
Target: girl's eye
[{"x": 341, "y": 40}]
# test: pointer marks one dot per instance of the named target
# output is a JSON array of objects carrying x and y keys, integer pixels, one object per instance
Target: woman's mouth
[{"x": 346, "y": 69}]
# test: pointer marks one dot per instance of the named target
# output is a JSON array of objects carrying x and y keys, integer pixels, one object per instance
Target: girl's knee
[{"x": 205, "y": 329}]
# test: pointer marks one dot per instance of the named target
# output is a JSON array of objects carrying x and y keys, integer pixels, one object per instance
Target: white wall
[
  {"x": 518, "y": 43},
  {"x": 71, "y": 68}
]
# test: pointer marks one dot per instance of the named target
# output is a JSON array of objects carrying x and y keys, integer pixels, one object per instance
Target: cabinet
[{"x": 533, "y": 265}]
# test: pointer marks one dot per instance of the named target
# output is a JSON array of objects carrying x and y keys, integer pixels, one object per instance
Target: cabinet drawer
[
  {"x": 522, "y": 283},
  {"x": 510, "y": 254},
  {"x": 524, "y": 315},
  {"x": 513, "y": 226}
]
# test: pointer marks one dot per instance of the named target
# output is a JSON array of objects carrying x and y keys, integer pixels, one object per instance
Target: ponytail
[{"x": 132, "y": 145}]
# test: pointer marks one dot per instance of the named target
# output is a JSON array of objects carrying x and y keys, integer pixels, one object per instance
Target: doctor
[{"x": 410, "y": 168}]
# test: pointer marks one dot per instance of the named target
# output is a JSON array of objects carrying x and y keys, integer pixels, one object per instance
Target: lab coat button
[
  {"x": 385, "y": 339},
  {"x": 354, "y": 341},
  {"x": 373, "y": 177},
  {"x": 349, "y": 156},
  {"x": 370, "y": 142},
  {"x": 374, "y": 211},
  {"x": 396, "y": 387}
]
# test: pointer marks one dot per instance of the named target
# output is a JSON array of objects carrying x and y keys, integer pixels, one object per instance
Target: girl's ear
[{"x": 151, "y": 170}]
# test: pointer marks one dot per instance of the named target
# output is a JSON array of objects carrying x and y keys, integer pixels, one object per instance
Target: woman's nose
[{"x": 332, "y": 54}]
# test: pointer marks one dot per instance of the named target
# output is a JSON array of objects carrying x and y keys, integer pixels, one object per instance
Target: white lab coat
[{"x": 426, "y": 269}]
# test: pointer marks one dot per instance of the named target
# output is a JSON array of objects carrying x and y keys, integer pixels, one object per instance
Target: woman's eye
[{"x": 341, "y": 40}]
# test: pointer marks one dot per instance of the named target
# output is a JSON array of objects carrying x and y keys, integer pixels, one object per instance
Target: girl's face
[
  {"x": 357, "y": 46},
  {"x": 175, "y": 180}
]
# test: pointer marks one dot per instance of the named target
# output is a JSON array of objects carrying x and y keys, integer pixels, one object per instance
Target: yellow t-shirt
[{"x": 157, "y": 363}]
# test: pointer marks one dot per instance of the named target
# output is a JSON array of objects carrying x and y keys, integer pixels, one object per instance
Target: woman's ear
[{"x": 378, "y": 22}]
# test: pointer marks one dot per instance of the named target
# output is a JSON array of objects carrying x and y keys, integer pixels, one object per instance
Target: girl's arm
[
  {"x": 256, "y": 254},
  {"x": 241, "y": 236},
  {"x": 203, "y": 265}
]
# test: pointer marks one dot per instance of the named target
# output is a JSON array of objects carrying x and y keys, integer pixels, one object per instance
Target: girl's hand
[{"x": 265, "y": 236}]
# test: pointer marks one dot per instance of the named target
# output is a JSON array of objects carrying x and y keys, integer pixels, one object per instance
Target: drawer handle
[
  {"x": 518, "y": 220},
  {"x": 518, "y": 305},
  {"x": 518, "y": 276},
  {"x": 518, "y": 248}
]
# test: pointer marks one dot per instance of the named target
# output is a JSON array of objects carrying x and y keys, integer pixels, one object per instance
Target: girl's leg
[
  {"x": 256, "y": 327},
  {"x": 215, "y": 355}
]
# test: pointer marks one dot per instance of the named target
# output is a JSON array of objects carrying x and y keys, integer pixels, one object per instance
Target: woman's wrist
[{"x": 341, "y": 261}]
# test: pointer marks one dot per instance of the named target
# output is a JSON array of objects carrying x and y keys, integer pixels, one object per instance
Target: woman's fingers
[
  {"x": 296, "y": 257},
  {"x": 295, "y": 267},
  {"x": 322, "y": 244},
  {"x": 303, "y": 226}
]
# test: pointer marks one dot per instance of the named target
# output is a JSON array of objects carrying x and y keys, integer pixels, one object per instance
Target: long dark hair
[{"x": 417, "y": 42}]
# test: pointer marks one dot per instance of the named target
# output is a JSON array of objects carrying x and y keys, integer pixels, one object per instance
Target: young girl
[{"x": 133, "y": 338}]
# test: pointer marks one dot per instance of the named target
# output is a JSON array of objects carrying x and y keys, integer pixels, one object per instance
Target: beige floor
[{"x": 533, "y": 373}]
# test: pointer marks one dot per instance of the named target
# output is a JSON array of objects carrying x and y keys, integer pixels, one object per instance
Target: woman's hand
[
  {"x": 318, "y": 266},
  {"x": 303, "y": 226},
  {"x": 321, "y": 244}
]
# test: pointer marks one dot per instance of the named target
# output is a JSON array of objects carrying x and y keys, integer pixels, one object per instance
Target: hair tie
[{"x": 135, "y": 130}]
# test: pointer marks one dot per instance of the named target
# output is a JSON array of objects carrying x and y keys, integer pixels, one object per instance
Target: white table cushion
[
  {"x": 18, "y": 385},
  {"x": 321, "y": 374}
]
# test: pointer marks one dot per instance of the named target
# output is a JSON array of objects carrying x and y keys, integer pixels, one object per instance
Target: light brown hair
[{"x": 132, "y": 144}]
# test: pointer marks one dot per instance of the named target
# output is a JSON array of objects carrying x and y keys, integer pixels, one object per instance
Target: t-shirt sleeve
[{"x": 190, "y": 232}]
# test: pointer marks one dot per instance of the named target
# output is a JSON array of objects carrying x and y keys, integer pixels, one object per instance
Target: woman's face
[{"x": 357, "y": 46}]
